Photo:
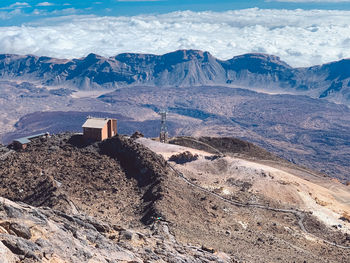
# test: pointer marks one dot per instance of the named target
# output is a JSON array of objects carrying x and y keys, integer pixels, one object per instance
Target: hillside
[
  {"x": 121, "y": 200},
  {"x": 183, "y": 68},
  {"x": 309, "y": 132}
]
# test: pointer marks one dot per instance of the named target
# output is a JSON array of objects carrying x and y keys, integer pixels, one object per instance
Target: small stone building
[
  {"x": 99, "y": 129},
  {"x": 21, "y": 143}
]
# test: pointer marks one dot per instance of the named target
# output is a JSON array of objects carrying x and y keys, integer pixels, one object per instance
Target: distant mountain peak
[
  {"x": 188, "y": 54},
  {"x": 184, "y": 67},
  {"x": 251, "y": 57}
]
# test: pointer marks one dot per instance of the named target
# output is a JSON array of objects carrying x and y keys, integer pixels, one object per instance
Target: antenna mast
[{"x": 163, "y": 135}]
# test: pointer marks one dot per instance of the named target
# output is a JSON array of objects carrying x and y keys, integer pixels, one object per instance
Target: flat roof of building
[
  {"x": 25, "y": 140},
  {"x": 97, "y": 123},
  {"x": 22, "y": 140}
]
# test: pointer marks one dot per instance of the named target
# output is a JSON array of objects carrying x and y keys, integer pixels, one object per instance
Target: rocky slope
[
  {"x": 98, "y": 204},
  {"x": 119, "y": 201},
  {"x": 32, "y": 234},
  {"x": 182, "y": 68}
]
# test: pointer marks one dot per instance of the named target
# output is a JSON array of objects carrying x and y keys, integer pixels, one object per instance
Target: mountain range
[
  {"x": 183, "y": 68},
  {"x": 42, "y": 94}
]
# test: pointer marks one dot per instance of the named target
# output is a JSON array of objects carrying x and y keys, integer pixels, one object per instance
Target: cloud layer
[{"x": 299, "y": 37}]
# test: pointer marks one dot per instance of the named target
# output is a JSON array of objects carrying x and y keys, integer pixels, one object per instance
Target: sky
[{"x": 301, "y": 32}]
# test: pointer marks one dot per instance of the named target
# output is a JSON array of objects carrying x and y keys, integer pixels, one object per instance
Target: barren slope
[
  {"x": 252, "y": 231},
  {"x": 124, "y": 185}
]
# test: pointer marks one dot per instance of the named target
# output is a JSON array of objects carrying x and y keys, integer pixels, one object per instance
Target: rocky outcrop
[
  {"x": 30, "y": 234},
  {"x": 184, "y": 157},
  {"x": 137, "y": 135}
]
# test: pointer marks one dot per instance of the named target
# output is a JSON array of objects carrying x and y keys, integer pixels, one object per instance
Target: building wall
[
  {"x": 93, "y": 134},
  {"x": 112, "y": 128},
  {"x": 104, "y": 132}
]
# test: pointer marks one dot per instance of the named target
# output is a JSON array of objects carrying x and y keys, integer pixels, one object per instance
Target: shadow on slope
[{"x": 117, "y": 179}]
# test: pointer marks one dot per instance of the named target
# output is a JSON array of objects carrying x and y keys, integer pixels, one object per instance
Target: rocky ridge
[{"x": 182, "y": 68}]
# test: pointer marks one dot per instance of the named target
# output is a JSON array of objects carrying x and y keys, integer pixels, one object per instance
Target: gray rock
[
  {"x": 13, "y": 212},
  {"x": 6, "y": 256},
  {"x": 127, "y": 235},
  {"x": 20, "y": 246},
  {"x": 21, "y": 230},
  {"x": 74, "y": 239}
]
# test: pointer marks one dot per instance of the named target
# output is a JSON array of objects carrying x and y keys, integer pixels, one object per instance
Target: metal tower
[{"x": 163, "y": 135}]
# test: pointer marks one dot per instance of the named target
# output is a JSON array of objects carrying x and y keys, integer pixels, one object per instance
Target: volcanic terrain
[{"x": 194, "y": 200}]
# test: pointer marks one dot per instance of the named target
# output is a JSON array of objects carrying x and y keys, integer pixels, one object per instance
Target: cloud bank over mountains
[{"x": 299, "y": 37}]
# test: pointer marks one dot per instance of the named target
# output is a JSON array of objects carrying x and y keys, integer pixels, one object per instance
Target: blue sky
[
  {"x": 18, "y": 12},
  {"x": 301, "y": 32}
]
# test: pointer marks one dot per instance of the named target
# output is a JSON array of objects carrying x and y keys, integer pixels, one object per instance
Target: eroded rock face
[
  {"x": 46, "y": 235},
  {"x": 36, "y": 235}
]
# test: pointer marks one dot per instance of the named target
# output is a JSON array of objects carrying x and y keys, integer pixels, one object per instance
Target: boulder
[
  {"x": 137, "y": 135},
  {"x": 184, "y": 157}
]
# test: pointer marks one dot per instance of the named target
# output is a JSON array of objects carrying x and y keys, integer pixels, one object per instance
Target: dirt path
[{"x": 298, "y": 213}]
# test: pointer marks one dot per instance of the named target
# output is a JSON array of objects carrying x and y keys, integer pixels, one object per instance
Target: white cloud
[
  {"x": 57, "y": 12},
  {"x": 19, "y": 5},
  {"x": 45, "y": 4},
  {"x": 299, "y": 37},
  {"x": 16, "y": 5},
  {"x": 66, "y": 11},
  {"x": 38, "y": 12},
  {"x": 10, "y": 14},
  {"x": 13, "y": 10}
]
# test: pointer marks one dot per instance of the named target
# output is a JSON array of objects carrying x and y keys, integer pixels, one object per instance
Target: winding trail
[
  {"x": 298, "y": 213},
  {"x": 203, "y": 143}
]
